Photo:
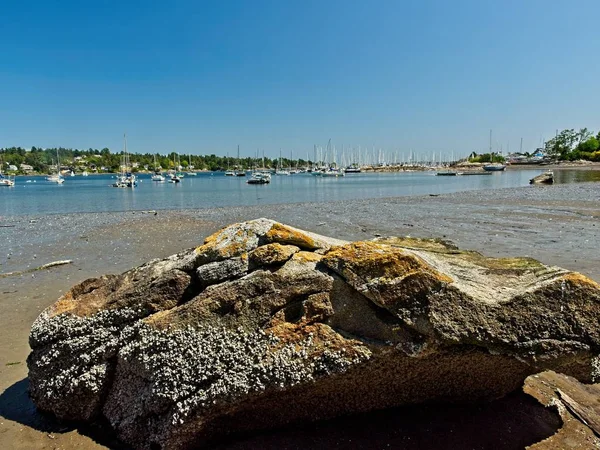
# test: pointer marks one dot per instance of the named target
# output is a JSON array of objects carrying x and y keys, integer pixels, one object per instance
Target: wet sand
[{"x": 556, "y": 224}]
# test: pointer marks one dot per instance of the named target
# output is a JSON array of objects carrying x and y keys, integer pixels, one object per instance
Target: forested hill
[{"x": 104, "y": 160}]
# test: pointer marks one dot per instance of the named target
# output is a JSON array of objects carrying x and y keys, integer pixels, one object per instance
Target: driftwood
[{"x": 35, "y": 269}]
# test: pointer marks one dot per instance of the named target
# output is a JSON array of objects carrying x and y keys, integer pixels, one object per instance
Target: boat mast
[
  {"x": 491, "y": 154},
  {"x": 521, "y": 146}
]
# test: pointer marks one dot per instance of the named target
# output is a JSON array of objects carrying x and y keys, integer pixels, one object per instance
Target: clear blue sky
[{"x": 203, "y": 77}]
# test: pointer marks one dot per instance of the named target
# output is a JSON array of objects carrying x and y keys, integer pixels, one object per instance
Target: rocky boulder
[{"x": 265, "y": 325}]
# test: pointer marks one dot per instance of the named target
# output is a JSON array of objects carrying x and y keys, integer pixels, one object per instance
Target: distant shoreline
[{"x": 586, "y": 165}]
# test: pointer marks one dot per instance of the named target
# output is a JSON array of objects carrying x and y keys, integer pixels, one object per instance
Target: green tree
[
  {"x": 583, "y": 135},
  {"x": 589, "y": 146},
  {"x": 561, "y": 145}
]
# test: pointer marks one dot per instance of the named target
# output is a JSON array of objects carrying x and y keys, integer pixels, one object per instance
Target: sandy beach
[{"x": 557, "y": 225}]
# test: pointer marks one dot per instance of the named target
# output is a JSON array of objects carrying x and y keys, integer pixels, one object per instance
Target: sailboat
[
  {"x": 190, "y": 172},
  {"x": 175, "y": 176},
  {"x": 239, "y": 172},
  {"x": 229, "y": 173},
  {"x": 126, "y": 179},
  {"x": 5, "y": 180},
  {"x": 330, "y": 169},
  {"x": 492, "y": 166},
  {"x": 280, "y": 170},
  {"x": 57, "y": 177},
  {"x": 158, "y": 176}
]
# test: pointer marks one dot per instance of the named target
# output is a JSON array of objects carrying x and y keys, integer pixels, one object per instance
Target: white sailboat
[
  {"x": 158, "y": 176},
  {"x": 126, "y": 179},
  {"x": 57, "y": 177},
  {"x": 5, "y": 180},
  {"x": 280, "y": 170},
  {"x": 330, "y": 169},
  {"x": 191, "y": 172},
  {"x": 228, "y": 172}
]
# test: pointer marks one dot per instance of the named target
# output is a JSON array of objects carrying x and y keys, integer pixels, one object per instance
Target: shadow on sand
[
  {"x": 510, "y": 423},
  {"x": 16, "y": 405}
]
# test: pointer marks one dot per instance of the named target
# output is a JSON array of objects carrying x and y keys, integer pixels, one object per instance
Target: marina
[{"x": 33, "y": 195}]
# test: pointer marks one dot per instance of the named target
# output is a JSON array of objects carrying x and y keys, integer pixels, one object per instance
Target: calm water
[{"x": 34, "y": 195}]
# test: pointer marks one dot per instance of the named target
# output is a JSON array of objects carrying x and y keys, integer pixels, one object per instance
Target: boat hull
[{"x": 494, "y": 168}]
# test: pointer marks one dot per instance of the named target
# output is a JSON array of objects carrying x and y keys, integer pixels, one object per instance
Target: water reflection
[{"x": 564, "y": 176}]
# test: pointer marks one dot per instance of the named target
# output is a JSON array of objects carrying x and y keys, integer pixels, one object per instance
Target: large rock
[{"x": 265, "y": 325}]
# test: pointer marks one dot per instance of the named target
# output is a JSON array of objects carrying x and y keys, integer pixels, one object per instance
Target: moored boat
[
  {"x": 126, "y": 179},
  {"x": 495, "y": 167},
  {"x": 259, "y": 178},
  {"x": 492, "y": 166},
  {"x": 475, "y": 172},
  {"x": 353, "y": 168},
  {"x": 6, "y": 181},
  {"x": 157, "y": 176},
  {"x": 56, "y": 177}
]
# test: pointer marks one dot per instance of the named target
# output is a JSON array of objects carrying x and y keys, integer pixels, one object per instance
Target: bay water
[{"x": 35, "y": 195}]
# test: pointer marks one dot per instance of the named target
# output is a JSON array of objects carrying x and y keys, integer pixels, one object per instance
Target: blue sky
[{"x": 203, "y": 77}]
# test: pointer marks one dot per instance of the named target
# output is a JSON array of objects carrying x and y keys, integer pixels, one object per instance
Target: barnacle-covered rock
[{"x": 265, "y": 324}]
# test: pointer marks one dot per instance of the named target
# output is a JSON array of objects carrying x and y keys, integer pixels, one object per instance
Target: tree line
[
  {"x": 571, "y": 145},
  {"x": 41, "y": 160}
]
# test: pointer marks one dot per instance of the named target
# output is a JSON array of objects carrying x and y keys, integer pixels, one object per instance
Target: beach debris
[
  {"x": 265, "y": 325},
  {"x": 34, "y": 269},
  {"x": 54, "y": 264}
]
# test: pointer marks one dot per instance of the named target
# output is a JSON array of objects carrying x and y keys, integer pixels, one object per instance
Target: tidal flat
[{"x": 557, "y": 225}]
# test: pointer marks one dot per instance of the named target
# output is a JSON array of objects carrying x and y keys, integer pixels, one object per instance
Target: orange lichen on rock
[
  {"x": 369, "y": 260},
  {"x": 87, "y": 297},
  {"x": 233, "y": 240},
  {"x": 234, "y": 248},
  {"x": 287, "y": 235},
  {"x": 270, "y": 254},
  {"x": 323, "y": 338},
  {"x": 578, "y": 279},
  {"x": 307, "y": 257}
]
